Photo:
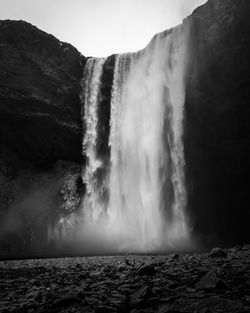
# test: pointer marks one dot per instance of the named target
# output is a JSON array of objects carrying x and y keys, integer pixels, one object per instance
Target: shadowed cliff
[
  {"x": 40, "y": 134},
  {"x": 39, "y": 94},
  {"x": 217, "y": 128}
]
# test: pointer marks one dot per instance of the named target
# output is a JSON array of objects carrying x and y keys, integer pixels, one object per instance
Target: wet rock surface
[{"x": 190, "y": 283}]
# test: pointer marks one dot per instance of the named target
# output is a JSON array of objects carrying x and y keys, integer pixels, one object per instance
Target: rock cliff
[
  {"x": 39, "y": 95},
  {"x": 217, "y": 128},
  {"x": 40, "y": 133}
]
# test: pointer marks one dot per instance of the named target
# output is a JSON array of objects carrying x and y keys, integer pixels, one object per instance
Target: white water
[
  {"x": 146, "y": 181},
  {"x": 143, "y": 96},
  {"x": 90, "y": 97}
]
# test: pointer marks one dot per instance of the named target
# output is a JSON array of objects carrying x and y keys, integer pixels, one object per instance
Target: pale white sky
[{"x": 100, "y": 27}]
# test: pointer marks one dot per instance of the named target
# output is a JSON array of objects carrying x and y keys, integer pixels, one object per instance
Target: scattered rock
[
  {"x": 105, "y": 309},
  {"x": 66, "y": 301},
  {"x": 193, "y": 285},
  {"x": 206, "y": 310},
  {"x": 146, "y": 269},
  {"x": 210, "y": 280},
  {"x": 143, "y": 293},
  {"x": 217, "y": 253},
  {"x": 176, "y": 256},
  {"x": 121, "y": 268},
  {"x": 34, "y": 295}
]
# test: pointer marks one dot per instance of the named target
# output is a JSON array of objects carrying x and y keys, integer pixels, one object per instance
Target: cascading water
[
  {"x": 145, "y": 207},
  {"x": 148, "y": 98},
  {"x": 90, "y": 97}
]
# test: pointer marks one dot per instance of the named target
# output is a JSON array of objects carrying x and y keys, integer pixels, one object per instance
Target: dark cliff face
[
  {"x": 40, "y": 125},
  {"x": 40, "y": 118},
  {"x": 217, "y": 128}
]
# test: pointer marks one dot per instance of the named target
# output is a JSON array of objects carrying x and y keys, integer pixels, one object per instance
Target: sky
[{"x": 100, "y": 27}]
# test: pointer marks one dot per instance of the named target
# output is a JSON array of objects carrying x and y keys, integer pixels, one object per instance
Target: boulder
[{"x": 218, "y": 253}]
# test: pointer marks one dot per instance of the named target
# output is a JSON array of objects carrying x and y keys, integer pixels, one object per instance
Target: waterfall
[
  {"x": 91, "y": 99},
  {"x": 145, "y": 210},
  {"x": 147, "y": 155}
]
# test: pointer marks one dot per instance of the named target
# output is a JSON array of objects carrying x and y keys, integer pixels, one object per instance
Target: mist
[{"x": 39, "y": 201}]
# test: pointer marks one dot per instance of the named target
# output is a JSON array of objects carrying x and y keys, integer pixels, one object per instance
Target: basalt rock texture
[{"x": 217, "y": 128}]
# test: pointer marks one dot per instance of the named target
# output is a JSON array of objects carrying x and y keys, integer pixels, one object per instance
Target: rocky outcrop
[
  {"x": 31, "y": 204},
  {"x": 40, "y": 134},
  {"x": 40, "y": 118},
  {"x": 217, "y": 124}
]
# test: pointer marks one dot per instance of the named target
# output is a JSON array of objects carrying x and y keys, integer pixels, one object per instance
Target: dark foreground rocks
[{"x": 191, "y": 283}]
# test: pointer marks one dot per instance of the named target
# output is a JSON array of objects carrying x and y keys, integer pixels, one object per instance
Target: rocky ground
[{"x": 218, "y": 281}]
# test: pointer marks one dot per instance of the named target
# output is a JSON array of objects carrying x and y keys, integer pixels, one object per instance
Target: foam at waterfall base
[{"x": 104, "y": 236}]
